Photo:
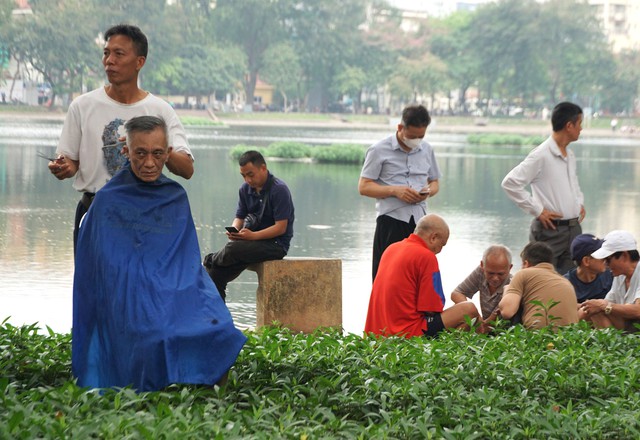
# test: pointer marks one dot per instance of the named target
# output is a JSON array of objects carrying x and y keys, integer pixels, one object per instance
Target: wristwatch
[{"x": 608, "y": 308}]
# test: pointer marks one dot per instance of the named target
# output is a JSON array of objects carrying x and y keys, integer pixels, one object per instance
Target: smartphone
[
  {"x": 231, "y": 229},
  {"x": 423, "y": 192}
]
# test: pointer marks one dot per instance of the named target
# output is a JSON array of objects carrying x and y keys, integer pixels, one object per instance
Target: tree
[
  {"x": 574, "y": 49},
  {"x": 327, "y": 36},
  {"x": 621, "y": 87},
  {"x": 452, "y": 44},
  {"x": 43, "y": 41},
  {"x": 282, "y": 70},
  {"x": 424, "y": 76},
  {"x": 199, "y": 71},
  {"x": 504, "y": 38},
  {"x": 6, "y": 31},
  {"x": 253, "y": 25},
  {"x": 350, "y": 81}
]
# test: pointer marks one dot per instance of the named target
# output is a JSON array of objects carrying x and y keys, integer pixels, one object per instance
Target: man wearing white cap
[
  {"x": 621, "y": 306},
  {"x": 591, "y": 279}
]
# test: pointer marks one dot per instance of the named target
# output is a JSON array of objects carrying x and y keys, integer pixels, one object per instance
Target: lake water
[{"x": 332, "y": 219}]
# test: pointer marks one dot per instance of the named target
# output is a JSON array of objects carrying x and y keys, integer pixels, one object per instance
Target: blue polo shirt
[
  {"x": 280, "y": 207},
  {"x": 597, "y": 289},
  {"x": 388, "y": 164}
]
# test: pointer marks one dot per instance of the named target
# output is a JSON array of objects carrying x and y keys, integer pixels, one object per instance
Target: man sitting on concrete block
[{"x": 263, "y": 224}]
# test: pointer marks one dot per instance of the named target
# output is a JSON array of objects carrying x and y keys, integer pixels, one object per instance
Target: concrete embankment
[{"x": 530, "y": 128}]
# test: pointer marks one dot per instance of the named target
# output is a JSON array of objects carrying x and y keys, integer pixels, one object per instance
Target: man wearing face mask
[{"x": 400, "y": 172}]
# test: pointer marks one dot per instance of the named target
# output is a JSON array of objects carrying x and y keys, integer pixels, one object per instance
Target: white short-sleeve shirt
[{"x": 94, "y": 121}]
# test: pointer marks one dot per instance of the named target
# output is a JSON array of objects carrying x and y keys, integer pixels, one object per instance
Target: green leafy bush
[
  {"x": 335, "y": 153},
  {"x": 516, "y": 384},
  {"x": 240, "y": 149},
  {"x": 504, "y": 139},
  {"x": 288, "y": 150},
  {"x": 339, "y": 153}
]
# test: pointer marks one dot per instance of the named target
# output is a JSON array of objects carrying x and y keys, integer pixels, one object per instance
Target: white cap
[{"x": 615, "y": 241}]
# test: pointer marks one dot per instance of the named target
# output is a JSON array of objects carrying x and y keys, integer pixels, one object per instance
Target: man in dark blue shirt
[
  {"x": 591, "y": 279},
  {"x": 263, "y": 223}
]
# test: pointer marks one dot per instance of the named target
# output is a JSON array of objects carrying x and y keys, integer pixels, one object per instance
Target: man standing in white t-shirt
[
  {"x": 621, "y": 307},
  {"x": 89, "y": 146}
]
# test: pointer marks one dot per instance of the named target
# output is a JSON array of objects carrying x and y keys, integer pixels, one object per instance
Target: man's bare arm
[
  {"x": 458, "y": 297},
  {"x": 180, "y": 164},
  {"x": 509, "y": 305}
]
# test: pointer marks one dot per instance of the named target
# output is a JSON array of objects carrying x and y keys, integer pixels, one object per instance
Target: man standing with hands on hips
[
  {"x": 556, "y": 201},
  {"x": 400, "y": 172}
]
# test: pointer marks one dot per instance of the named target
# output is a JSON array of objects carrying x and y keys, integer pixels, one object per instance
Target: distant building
[
  {"x": 620, "y": 21},
  {"x": 262, "y": 95}
]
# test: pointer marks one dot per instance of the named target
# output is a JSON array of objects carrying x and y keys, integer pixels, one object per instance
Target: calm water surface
[{"x": 332, "y": 219}]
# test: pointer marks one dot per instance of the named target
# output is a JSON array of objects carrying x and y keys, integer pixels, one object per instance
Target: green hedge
[
  {"x": 335, "y": 153},
  {"x": 504, "y": 139},
  {"x": 516, "y": 384}
]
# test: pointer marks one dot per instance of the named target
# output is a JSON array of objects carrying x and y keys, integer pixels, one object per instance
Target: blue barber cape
[{"x": 145, "y": 312}]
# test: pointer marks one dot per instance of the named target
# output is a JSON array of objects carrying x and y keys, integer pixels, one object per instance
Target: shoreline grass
[{"x": 576, "y": 383}]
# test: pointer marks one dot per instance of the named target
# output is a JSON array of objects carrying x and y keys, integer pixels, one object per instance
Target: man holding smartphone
[
  {"x": 400, "y": 172},
  {"x": 263, "y": 225}
]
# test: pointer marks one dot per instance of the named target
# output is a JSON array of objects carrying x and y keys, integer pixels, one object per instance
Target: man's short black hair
[
  {"x": 563, "y": 113},
  {"x": 415, "y": 116},
  {"x": 537, "y": 252},
  {"x": 634, "y": 255},
  {"x": 138, "y": 38},
  {"x": 251, "y": 156},
  {"x": 146, "y": 124}
]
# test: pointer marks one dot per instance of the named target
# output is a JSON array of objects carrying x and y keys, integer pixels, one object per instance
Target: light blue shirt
[{"x": 387, "y": 163}]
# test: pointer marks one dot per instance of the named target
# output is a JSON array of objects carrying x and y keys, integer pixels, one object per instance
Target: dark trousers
[
  {"x": 81, "y": 210},
  {"x": 560, "y": 242},
  {"x": 388, "y": 231},
  {"x": 229, "y": 262}
]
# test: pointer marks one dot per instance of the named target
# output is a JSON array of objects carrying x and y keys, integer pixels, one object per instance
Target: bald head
[{"x": 434, "y": 231}]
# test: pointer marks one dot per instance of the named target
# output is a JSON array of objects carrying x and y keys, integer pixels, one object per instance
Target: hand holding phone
[
  {"x": 49, "y": 158},
  {"x": 231, "y": 229}
]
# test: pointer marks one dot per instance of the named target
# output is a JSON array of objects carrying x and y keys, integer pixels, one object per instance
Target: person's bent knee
[
  {"x": 458, "y": 314},
  {"x": 469, "y": 309}
]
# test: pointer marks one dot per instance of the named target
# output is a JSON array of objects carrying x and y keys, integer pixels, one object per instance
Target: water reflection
[{"x": 333, "y": 220}]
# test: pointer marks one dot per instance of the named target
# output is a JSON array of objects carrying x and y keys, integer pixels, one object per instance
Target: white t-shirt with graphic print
[{"x": 93, "y": 125}]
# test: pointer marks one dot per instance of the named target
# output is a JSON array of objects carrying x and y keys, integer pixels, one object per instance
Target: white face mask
[{"x": 411, "y": 143}]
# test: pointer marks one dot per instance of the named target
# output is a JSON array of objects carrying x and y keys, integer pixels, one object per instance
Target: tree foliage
[
  {"x": 283, "y": 70},
  {"x": 253, "y": 25},
  {"x": 42, "y": 40},
  {"x": 517, "y": 52}
]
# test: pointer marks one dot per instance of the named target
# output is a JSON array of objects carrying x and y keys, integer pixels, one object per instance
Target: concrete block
[{"x": 300, "y": 293}]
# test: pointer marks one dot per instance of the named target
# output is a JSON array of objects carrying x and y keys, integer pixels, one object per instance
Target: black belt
[
  {"x": 86, "y": 200},
  {"x": 566, "y": 222}
]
